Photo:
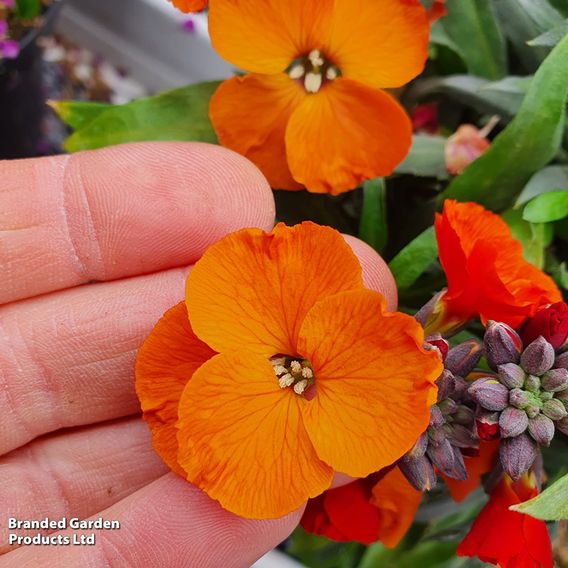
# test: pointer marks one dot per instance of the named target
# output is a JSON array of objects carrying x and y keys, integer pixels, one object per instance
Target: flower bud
[
  {"x": 448, "y": 406},
  {"x": 517, "y": 455},
  {"x": 532, "y": 384},
  {"x": 419, "y": 472},
  {"x": 541, "y": 428},
  {"x": 538, "y": 357},
  {"x": 554, "y": 409},
  {"x": 550, "y": 322},
  {"x": 487, "y": 426},
  {"x": 562, "y": 425},
  {"x": 511, "y": 375},
  {"x": 532, "y": 410},
  {"x": 563, "y": 396},
  {"x": 461, "y": 386},
  {"x": 562, "y": 361},
  {"x": 463, "y": 415},
  {"x": 436, "y": 436},
  {"x": 462, "y": 437},
  {"x": 489, "y": 394},
  {"x": 513, "y": 422},
  {"x": 437, "y": 341},
  {"x": 436, "y": 418},
  {"x": 463, "y": 358},
  {"x": 555, "y": 380},
  {"x": 445, "y": 384},
  {"x": 502, "y": 344},
  {"x": 448, "y": 460},
  {"x": 419, "y": 448}
]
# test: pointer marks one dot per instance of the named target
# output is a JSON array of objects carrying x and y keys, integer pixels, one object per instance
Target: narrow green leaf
[
  {"x": 373, "y": 226},
  {"x": 439, "y": 36},
  {"x": 550, "y": 178},
  {"x": 524, "y": 20},
  {"x": 427, "y": 554},
  {"x": 27, "y": 9},
  {"x": 550, "y": 505},
  {"x": 181, "y": 114},
  {"x": 528, "y": 143},
  {"x": 472, "y": 27},
  {"x": 426, "y": 158},
  {"x": 547, "y": 207},
  {"x": 414, "y": 259},
  {"x": 551, "y": 37},
  {"x": 78, "y": 114}
]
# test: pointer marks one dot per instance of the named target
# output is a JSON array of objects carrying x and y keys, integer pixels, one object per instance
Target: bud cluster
[
  {"x": 525, "y": 401},
  {"x": 451, "y": 428}
]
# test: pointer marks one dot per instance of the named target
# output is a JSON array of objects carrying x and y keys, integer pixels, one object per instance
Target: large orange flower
[
  {"x": 311, "y": 112},
  {"x": 485, "y": 269},
  {"x": 187, "y": 6},
  {"x": 289, "y": 370},
  {"x": 379, "y": 507}
]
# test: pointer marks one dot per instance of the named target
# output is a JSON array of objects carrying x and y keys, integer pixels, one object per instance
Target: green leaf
[
  {"x": 373, "y": 225},
  {"x": 533, "y": 238},
  {"x": 181, "y": 114},
  {"x": 439, "y": 36},
  {"x": 547, "y": 207},
  {"x": 78, "y": 114},
  {"x": 427, "y": 554},
  {"x": 27, "y": 9},
  {"x": 550, "y": 505},
  {"x": 472, "y": 27},
  {"x": 414, "y": 259},
  {"x": 524, "y": 20},
  {"x": 548, "y": 179},
  {"x": 426, "y": 158},
  {"x": 551, "y": 37},
  {"x": 528, "y": 143}
]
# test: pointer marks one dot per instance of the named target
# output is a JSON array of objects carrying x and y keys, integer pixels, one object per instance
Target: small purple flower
[{"x": 9, "y": 49}]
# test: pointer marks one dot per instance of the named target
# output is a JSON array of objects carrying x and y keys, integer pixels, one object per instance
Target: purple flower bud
[
  {"x": 448, "y": 406},
  {"x": 555, "y": 380},
  {"x": 541, "y": 428},
  {"x": 489, "y": 394},
  {"x": 511, "y": 375},
  {"x": 487, "y": 426},
  {"x": 419, "y": 448},
  {"x": 538, "y": 357},
  {"x": 513, "y": 422},
  {"x": 438, "y": 342},
  {"x": 419, "y": 472},
  {"x": 436, "y": 436},
  {"x": 554, "y": 409},
  {"x": 462, "y": 437},
  {"x": 462, "y": 359},
  {"x": 563, "y": 396},
  {"x": 562, "y": 360},
  {"x": 461, "y": 387},
  {"x": 517, "y": 455},
  {"x": 532, "y": 410},
  {"x": 445, "y": 384},
  {"x": 519, "y": 398},
  {"x": 463, "y": 415},
  {"x": 562, "y": 425},
  {"x": 502, "y": 344},
  {"x": 426, "y": 315},
  {"x": 532, "y": 384},
  {"x": 436, "y": 417},
  {"x": 448, "y": 460}
]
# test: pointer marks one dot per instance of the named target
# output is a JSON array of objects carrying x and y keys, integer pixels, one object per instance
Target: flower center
[
  {"x": 293, "y": 372},
  {"x": 313, "y": 70}
]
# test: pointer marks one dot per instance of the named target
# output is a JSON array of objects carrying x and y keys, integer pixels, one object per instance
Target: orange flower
[
  {"x": 379, "y": 507},
  {"x": 311, "y": 112},
  {"x": 187, "y": 6},
  {"x": 507, "y": 538},
  {"x": 486, "y": 272},
  {"x": 311, "y": 376},
  {"x": 476, "y": 466}
]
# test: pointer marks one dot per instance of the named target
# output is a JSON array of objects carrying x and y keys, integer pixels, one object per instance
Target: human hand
[{"x": 131, "y": 219}]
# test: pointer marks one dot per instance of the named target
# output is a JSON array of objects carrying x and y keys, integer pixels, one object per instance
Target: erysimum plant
[{"x": 436, "y": 132}]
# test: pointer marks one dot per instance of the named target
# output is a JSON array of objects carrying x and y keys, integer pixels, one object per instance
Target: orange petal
[
  {"x": 344, "y": 134},
  {"x": 250, "y": 115},
  {"x": 242, "y": 439},
  {"x": 165, "y": 363},
  {"x": 374, "y": 382},
  {"x": 252, "y": 290},
  {"x": 265, "y": 36},
  {"x": 187, "y": 6},
  {"x": 398, "y": 502},
  {"x": 382, "y": 43}
]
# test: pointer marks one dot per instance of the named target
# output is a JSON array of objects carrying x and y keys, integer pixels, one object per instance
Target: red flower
[
  {"x": 379, "y": 507},
  {"x": 508, "y": 538},
  {"x": 551, "y": 323}
]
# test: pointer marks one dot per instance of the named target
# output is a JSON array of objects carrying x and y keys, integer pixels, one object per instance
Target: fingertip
[{"x": 376, "y": 273}]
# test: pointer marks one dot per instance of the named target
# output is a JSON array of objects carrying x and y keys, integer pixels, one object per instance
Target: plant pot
[{"x": 22, "y": 96}]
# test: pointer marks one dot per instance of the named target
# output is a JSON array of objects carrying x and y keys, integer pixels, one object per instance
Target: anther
[
  {"x": 313, "y": 82},
  {"x": 297, "y": 71},
  {"x": 315, "y": 58},
  {"x": 300, "y": 386}
]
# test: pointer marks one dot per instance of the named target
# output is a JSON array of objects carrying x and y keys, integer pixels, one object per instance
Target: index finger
[{"x": 121, "y": 211}]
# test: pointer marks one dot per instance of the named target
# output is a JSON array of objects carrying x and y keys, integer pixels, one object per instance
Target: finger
[
  {"x": 76, "y": 474},
  {"x": 67, "y": 359},
  {"x": 121, "y": 211},
  {"x": 167, "y": 524}
]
